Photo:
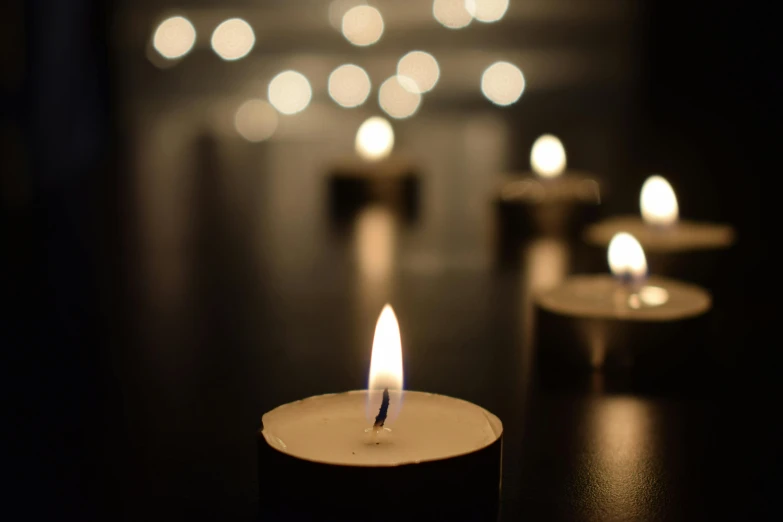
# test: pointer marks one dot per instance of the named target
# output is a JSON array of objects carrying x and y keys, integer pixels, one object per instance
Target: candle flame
[
  {"x": 548, "y": 157},
  {"x": 658, "y": 202},
  {"x": 385, "y": 364},
  {"x": 375, "y": 139},
  {"x": 626, "y": 257}
]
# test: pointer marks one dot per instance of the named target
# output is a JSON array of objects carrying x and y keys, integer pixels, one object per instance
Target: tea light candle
[
  {"x": 627, "y": 320},
  {"x": 381, "y": 453},
  {"x": 551, "y": 200},
  {"x": 667, "y": 240},
  {"x": 374, "y": 172}
]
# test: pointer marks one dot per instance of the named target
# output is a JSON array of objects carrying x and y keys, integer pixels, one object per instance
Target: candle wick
[{"x": 384, "y": 411}]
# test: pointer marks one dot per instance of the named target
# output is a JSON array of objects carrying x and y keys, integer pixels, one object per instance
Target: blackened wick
[{"x": 381, "y": 418}]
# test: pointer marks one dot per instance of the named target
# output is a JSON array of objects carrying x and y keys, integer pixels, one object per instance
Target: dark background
[{"x": 118, "y": 411}]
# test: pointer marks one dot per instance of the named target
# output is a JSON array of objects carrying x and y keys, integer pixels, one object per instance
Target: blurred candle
[
  {"x": 374, "y": 172},
  {"x": 388, "y": 450},
  {"x": 680, "y": 248},
  {"x": 550, "y": 199},
  {"x": 622, "y": 319}
]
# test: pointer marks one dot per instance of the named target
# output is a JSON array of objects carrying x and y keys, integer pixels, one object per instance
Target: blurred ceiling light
[
  {"x": 290, "y": 92},
  {"x": 233, "y": 39},
  {"x": 362, "y": 25},
  {"x": 420, "y": 67},
  {"x": 548, "y": 157},
  {"x": 502, "y": 83},
  {"x": 174, "y": 37},
  {"x": 398, "y": 97},
  {"x": 452, "y": 14},
  {"x": 375, "y": 139},
  {"x": 255, "y": 120},
  {"x": 338, "y": 8},
  {"x": 487, "y": 11},
  {"x": 349, "y": 85}
]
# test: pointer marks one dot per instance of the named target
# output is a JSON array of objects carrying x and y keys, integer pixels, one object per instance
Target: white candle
[
  {"x": 592, "y": 319},
  {"x": 331, "y": 429},
  {"x": 419, "y": 453},
  {"x": 659, "y": 229},
  {"x": 552, "y": 198}
]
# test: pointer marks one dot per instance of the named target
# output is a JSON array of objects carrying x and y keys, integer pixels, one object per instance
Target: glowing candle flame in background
[
  {"x": 375, "y": 139},
  {"x": 626, "y": 258},
  {"x": 398, "y": 97},
  {"x": 290, "y": 92},
  {"x": 349, "y": 85},
  {"x": 174, "y": 37},
  {"x": 385, "y": 364},
  {"x": 233, "y": 39},
  {"x": 547, "y": 157},
  {"x": 658, "y": 202},
  {"x": 362, "y": 25},
  {"x": 420, "y": 67},
  {"x": 502, "y": 83},
  {"x": 255, "y": 120}
]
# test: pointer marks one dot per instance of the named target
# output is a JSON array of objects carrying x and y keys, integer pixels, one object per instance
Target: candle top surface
[
  {"x": 679, "y": 237},
  {"x": 392, "y": 166},
  {"x": 603, "y": 297},
  {"x": 331, "y": 429},
  {"x": 571, "y": 186}
]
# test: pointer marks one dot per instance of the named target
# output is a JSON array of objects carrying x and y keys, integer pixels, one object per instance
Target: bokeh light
[
  {"x": 420, "y": 67},
  {"x": 290, "y": 92},
  {"x": 502, "y": 83},
  {"x": 487, "y": 11},
  {"x": 375, "y": 139},
  {"x": 362, "y": 25},
  {"x": 174, "y": 37},
  {"x": 233, "y": 39},
  {"x": 452, "y": 14},
  {"x": 398, "y": 97},
  {"x": 255, "y": 120},
  {"x": 349, "y": 85}
]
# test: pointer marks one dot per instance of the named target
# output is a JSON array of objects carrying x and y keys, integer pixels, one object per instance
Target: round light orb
[
  {"x": 290, "y": 92},
  {"x": 374, "y": 139},
  {"x": 174, "y": 37},
  {"x": 362, "y": 25},
  {"x": 349, "y": 85},
  {"x": 487, "y": 11},
  {"x": 398, "y": 97},
  {"x": 452, "y": 14},
  {"x": 233, "y": 39},
  {"x": 420, "y": 67},
  {"x": 255, "y": 120},
  {"x": 548, "y": 157},
  {"x": 502, "y": 83}
]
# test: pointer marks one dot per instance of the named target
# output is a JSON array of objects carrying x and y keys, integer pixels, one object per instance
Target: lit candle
[
  {"x": 627, "y": 319},
  {"x": 676, "y": 247},
  {"x": 374, "y": 172},
  {"x": 381, "y": 453},
  {"x": 550, "y": 200}
]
